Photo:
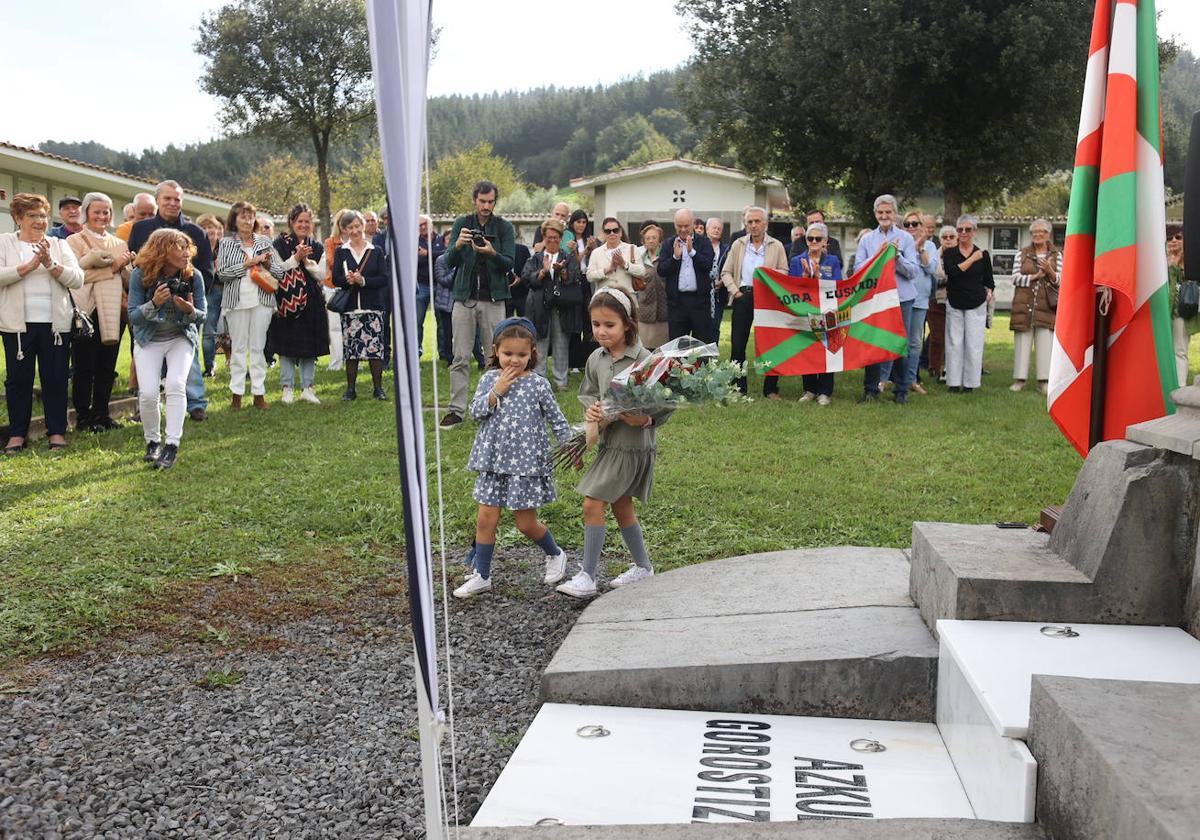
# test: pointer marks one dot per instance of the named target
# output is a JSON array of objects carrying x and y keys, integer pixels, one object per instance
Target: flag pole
[{"x": 1099, "y": 370}]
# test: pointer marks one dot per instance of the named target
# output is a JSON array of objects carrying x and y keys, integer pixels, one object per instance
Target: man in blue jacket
[
  {"x": 685, "y": 262},
  {"x": 169, "y": 196},
  {"x": 480, "y": 251}
]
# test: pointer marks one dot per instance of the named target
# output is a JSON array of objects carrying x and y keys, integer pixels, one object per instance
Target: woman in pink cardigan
[{"x": 106, "y": 264}]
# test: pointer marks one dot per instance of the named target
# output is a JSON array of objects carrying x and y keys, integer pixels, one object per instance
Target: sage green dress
[{"x": 624, "y": 462}]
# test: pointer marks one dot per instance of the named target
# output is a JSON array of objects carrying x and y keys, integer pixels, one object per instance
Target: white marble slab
[
  {"x": 648, "y": 770},
  {"x": 999, "y": 658},
  {"x": 999, "y": 774}
]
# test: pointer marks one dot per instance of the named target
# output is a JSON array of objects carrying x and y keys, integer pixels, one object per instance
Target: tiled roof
[{"x": 105, "y": 170}]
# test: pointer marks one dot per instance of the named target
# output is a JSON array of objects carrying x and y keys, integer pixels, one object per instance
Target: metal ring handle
[
  {"x": 549, "y": 821},
  {"x": 1059, "y": 631},
  {"x": 869, "y": 745},
  {"x": 593, "y": 730}
]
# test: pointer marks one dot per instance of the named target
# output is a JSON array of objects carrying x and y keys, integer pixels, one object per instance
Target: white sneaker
[
  {"x": 823, "y": 400},
  {"x": 631, "y": 575},
  {"x": 288, "y": 399},
  {"x": 556, "y": 567},
  {"x": 474, "y": 585},
  {"x": 580, "y": 586},
  {"x": 309, "y": 395},
  {"x": 809, "y": 396}
]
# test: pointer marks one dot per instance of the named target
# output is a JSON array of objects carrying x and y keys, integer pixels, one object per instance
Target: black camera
[
  {"x": 178, "y": 286},
  {"x": 478, "y": 239}
]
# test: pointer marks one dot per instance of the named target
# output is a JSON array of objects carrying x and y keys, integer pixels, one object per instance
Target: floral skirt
[
  {"x": 515, "y": 492},
  {"x": 362, "y": 335}
]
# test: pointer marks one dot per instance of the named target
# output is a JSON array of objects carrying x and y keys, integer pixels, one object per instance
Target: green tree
[
  {"x": 453, "y": 176},
  {"x": 360, "y": 182},
  {"x": 632, "y": 138},
  {"x": 890, "y": 95},
  {"x": 278, "y": 184},
  {"x": 290, "y": 70}
]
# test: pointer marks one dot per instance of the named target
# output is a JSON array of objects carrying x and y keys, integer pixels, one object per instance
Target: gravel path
[{"x": 317, "y": 739}]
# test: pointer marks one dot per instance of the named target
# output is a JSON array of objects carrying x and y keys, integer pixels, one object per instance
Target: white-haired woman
[
  {"x": 817, "y": 263},
  {"x": 969, "y": 289},
  {"x": 106, "y": 262},
  {"x": 1036, "y": 273}
]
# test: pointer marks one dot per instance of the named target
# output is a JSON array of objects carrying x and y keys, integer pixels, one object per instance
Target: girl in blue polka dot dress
[{"x": 511, "y": 452}]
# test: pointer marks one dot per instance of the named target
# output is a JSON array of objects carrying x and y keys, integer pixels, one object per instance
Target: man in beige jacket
[{"x": 754, "y": 250}]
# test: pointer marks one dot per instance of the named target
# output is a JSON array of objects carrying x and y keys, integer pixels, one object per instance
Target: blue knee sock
[
  {"x": 548, "y": 544},
  {"x": 483, "y": 559},
  {"x": 469, "y": 560}
]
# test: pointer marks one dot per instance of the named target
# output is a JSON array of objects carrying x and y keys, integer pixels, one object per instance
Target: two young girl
[{"x": 511, "y": 449}]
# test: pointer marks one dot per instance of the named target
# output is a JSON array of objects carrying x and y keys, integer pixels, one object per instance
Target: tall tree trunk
[
  {"x": 321, "y": 147},
  {"x": 953, "y": 205}
]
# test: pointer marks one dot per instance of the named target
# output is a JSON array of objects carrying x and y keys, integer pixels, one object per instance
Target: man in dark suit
[
  {"x": 685, "y": 262},
  {"x": 799, "y": 246}
]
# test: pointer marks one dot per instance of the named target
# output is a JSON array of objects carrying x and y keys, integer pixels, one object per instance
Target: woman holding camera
[
  {"x": 360, "y": 267},
  {"x": 106, "y": 262},
  {"x": 166, "y": 307},
  {"x": 556, "y": 287},
  {"x": 250, "y": 270},
  {"x": 35, "y": 319}
]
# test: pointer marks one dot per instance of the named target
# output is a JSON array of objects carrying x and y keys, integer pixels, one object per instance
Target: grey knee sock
[
  {"x": 636, "y": 545},
  {"x": 593, "y": 542}
]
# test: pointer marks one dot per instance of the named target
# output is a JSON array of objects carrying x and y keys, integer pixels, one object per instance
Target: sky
[{"x": 480, "y": 51}]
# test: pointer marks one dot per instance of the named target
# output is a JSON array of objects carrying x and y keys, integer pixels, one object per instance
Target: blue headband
[{"x": 523, "y": 323}]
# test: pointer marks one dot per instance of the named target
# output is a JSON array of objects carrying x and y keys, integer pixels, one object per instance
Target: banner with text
[{"x": 811, "y": 325}]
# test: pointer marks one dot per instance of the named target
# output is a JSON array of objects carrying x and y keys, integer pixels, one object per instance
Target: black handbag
[
  {"x": 560, "y": 293},
  {"x": 1187, "y": 303},
  {"x": 339, "y": 302},
  {"x": 82, "y": 327}
]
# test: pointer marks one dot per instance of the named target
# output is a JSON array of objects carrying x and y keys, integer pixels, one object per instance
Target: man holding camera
[{"x": 480, "y": 251}]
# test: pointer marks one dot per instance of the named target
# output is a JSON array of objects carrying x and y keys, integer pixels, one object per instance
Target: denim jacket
[{"x": 144, "y": 316}]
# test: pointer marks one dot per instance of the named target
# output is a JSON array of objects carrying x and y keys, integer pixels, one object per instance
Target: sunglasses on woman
[
  {"x": 612, "y": 230},
  {"x": 815, "y": 238},
  {"x": 912, "y": 224},
  {"x": 966, "y": 230},
  {"x": 1175, "y": 236}
]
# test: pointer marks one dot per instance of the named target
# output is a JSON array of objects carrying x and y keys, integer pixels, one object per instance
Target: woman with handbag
[
  {"x": 106, "y": 262},
  {"x": 1036, "y": 272},
  {"x": 36, "y": 310},
  {"x": 556, "y": 288},
  {"x": 250, "y": 270},
  {"x": 1185, "y": 321},
  {"x": 651, "y": 291},
  {"x": 299, "y": 331},
  {"x": 361, "y": 277}
]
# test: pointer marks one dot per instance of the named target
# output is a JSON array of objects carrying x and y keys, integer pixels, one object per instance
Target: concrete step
[
  {"x": 985, "y": 572},
  {"x": 1116, "y": 759},
  {"x": 119, "y": 408},
  {"x": 1122, "y": 552},
  {"x": 825, "y": 632},
  {"x": 906, "y": 829}
]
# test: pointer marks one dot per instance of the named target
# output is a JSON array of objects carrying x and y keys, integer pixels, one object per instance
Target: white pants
[
  {"x": 248, "y": 337},
  {"x": 1181, "y": 340},
  {"x": 148, "y": 359},
  {"x": 1024, "y": 342},
  {"x": 335, "y": 334},
  {"x": 964, "y": 345}
]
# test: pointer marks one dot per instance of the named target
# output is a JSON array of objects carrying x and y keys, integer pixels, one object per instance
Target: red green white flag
[
  {"x": 1116, "y": 236},
  {"x": 809, "y": 325}
]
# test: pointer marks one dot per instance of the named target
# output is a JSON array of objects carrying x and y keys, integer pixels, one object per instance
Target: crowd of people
[{"x": 191, "y": 292}]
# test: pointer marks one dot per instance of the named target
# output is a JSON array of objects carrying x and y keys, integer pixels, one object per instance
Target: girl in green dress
[{"x": 624, "y": 463}]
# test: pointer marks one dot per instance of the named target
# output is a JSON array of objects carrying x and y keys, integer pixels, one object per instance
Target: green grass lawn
[{"x": 91, "y": 534}]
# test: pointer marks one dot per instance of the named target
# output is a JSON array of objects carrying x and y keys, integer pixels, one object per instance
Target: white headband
[{"x": 621, "y": 297}]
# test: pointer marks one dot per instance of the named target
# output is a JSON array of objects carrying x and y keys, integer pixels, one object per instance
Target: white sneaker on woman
[
  {"x": 631, "y": 575},
  {"x": 807, "y": 396},
  {"x": 474, "y": 585},
  {"x": 556, "y": 567},
  {"x": 288, "y": 398},
  {"x": 823, "y": 400},
  {"x": 580, "y": 586},
  {"x": 309, "y": 395}
]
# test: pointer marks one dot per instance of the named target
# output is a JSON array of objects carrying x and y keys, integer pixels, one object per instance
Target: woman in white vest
[{"x": 615, "y": 262}]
